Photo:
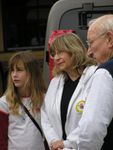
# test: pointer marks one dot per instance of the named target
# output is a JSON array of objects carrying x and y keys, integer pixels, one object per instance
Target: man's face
[{"x": 98, "y": 45}]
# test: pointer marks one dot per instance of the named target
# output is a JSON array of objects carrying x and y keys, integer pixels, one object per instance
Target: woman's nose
[{"x": 56, "y": 56}]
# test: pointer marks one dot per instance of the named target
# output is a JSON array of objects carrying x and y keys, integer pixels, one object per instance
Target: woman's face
[
  {"x": 63, "y": 61},
  {"x": 19, "y": 75}
]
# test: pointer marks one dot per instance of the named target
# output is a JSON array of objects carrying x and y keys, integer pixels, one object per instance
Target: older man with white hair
[{"x": 96, "y": 125}]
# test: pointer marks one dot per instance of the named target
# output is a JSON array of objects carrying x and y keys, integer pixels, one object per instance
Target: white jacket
[
  {"x": 98, "y": 112},
  {"x": 50, "y": 112}
]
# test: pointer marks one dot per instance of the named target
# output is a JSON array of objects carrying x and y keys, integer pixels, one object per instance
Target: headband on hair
[{"x": 56, "y": 33}]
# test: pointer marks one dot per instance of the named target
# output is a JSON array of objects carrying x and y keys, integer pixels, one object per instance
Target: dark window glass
[{"x": 24, "y": 23}]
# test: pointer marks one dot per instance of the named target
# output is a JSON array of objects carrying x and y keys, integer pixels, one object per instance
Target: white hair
[{"x": 104, "y": 23}]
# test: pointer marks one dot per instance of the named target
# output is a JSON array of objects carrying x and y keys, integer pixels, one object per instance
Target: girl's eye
[
  {"x": 17, "y": 69},
  {"x": 20, "y": 69}
]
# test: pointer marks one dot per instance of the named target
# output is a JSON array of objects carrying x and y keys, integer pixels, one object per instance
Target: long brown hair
[{"x": 35, "y": 84}]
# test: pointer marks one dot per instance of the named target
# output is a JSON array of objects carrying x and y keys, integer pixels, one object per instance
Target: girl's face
[{"x": 19, "y": 75}]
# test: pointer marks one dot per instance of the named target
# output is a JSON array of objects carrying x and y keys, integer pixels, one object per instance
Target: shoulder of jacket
[
  {"x": 57, "y": 79},
  {"x": 4, "y": 104},
  {"x": 107, "y": 66},
  {"x": 3, "y": 98},
  {"x": 90, "y": 69},
  {"x": 88, "y": 72}
]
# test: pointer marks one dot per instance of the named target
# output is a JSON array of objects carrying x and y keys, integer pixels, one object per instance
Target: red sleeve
[{"x": 3, "y": 130}]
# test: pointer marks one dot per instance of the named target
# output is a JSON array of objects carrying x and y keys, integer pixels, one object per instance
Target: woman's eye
[{"x": 52, "y": 54}]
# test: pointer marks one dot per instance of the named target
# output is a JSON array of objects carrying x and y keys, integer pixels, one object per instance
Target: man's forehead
[
  {"x": 91, "y": 33},
  {"x": 93, "y": 30}
]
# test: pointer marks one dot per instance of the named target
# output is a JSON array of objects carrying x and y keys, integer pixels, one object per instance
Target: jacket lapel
[
  {"x": 87, "y": 74},
  {"x": 59, "y": 95},
  {"x": 75, "y": 95}
]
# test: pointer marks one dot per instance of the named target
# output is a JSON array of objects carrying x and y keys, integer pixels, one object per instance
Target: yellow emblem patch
[{"x": 80, "y": 106}]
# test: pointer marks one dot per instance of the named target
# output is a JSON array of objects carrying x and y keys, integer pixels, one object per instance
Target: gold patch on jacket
[{"x": 80, "y": 106}]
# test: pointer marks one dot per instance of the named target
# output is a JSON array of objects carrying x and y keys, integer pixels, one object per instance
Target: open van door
[{"x": 74, "y": 15}]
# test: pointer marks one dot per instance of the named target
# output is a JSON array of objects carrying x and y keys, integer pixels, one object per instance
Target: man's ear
[{"x": 110, "y": 38}]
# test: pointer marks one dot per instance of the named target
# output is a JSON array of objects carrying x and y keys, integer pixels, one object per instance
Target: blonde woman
[
  {"x": 25, "y": 85},
  {"x": 67, "y": 92}
]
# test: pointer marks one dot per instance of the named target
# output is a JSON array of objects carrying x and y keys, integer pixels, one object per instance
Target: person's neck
[
  {"x": 73, "y": 75},
  {"x": 24, "y": 93}
]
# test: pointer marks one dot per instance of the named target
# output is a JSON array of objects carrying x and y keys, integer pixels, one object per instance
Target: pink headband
[{"x": 56, "y": 33}]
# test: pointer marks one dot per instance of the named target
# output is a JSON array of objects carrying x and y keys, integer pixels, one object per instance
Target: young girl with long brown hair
[{"x": 26, "y": 86}]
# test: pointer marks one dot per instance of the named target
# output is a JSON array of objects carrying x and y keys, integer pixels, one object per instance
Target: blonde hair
[
  {"x": 35, "y": 83},
  {"x": 71, "y": 43}
]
